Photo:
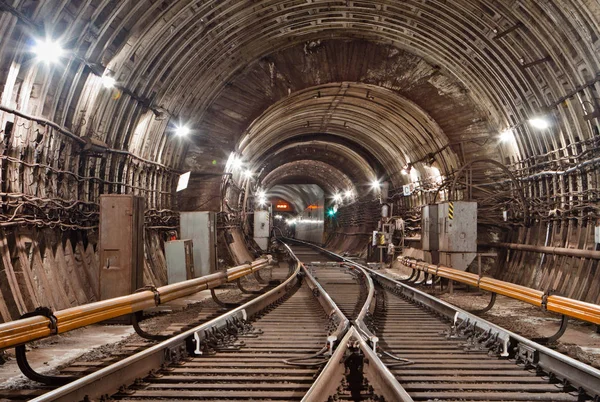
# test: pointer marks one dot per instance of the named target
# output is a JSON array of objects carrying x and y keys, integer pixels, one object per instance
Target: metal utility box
[
  {"x": 201, "y": 228},
  {"x": 180, "y": 260},
  {"x": 457, "y": 227},
  {"x": 429, "y": 233},
  {"x": 121, "y": 245},
  {"x": 262, "y": 229}
]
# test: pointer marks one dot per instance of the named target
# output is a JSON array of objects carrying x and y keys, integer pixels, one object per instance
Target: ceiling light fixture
[
  {"x": 108, "y": 81},
  {"x": 237, "y": 163},
  {"x": 539, "y": 123},
  {"x": 507, "y": 135},
  {"x": 182, "y": 131},
  {"x": 48, "y": 51}
]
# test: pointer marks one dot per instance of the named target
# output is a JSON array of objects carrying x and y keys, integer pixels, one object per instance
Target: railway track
[
  {"x": 253, "y": 367},
  {"x": 440, "y": 353},
  {"x": 279, "y": 346},
  {"x": 163, "y": 325},
  {"x": 344, "y": 283},
  {"x": 382, "y": 341},
  {"x": 441, "y": 367}
]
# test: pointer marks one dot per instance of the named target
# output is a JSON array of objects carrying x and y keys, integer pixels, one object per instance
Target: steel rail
[
  {"x": 367, "y": 307},
  {"x": 558, "y": 304},
  {"x": 19, "y": 332},
  {"x": 108, "y": 379},
  {"x": 332, "y": 309},
  {"x": 379, "y": 376},
  {"x": 564, "y": 368}
]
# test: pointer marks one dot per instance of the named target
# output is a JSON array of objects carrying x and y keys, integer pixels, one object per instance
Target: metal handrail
[{"x": 19, "y": 332}]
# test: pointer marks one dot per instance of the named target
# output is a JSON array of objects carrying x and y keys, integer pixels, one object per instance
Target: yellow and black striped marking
[{"x": 450, "y": 210}]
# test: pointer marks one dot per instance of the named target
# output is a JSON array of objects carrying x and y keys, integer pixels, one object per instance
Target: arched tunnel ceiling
[
  {"x": 300, "y": 195},
  {"x": 329, "y": 178},
  {"x": 355, "y": 166},
  {"x": 475, "y": 66},
  {"x": 391, "y": 128}
]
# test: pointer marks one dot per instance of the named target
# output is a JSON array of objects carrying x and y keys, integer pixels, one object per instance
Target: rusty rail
[
  {"x": 25, "y": 330},
  {"x": 557, "y": 304}
]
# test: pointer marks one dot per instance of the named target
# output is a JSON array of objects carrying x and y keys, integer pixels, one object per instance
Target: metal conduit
[
  {"x": 25, "y": 330},
  {"x": 557, "y": 304},
  {"x": 569, "y": 252}
]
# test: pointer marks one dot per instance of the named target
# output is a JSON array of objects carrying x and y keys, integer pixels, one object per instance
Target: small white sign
[
  {"x": 183, "y": 181},
  {"x": 407, "y": 189}
]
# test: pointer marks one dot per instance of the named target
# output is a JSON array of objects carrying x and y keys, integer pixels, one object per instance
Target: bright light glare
[
  {"x": 507, "y": 136},
  {"x": 348, "y": 193},
  {"x": 237, "y": 163},
  {"x": 48, "y": 51},
  {"x": 108, "y": 81},
  {"x": 278, "y": 217},
  {"x": 337, "y": 197},
  {"x": 376, "y": 184},
  {"x": 182, "y": 131},
  {"x": 539, "y": 123},
  {"x": 248, "y": 173}
]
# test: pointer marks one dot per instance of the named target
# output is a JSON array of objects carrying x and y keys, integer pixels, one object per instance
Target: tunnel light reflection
[
  {"x": 507, "y": 135},
  {"x": 376, "y": 184},
  {"x": 108, "y": 81},
  {"x": 237, "y": 163},
  {"x": 182, "y": 131},
  {"x": 348, "y": 193},
  {"x": 248, "y": 174},
  {"x": 48, "y": 51},
  {"x": 539, "y": 123},
  {"x": 337, "y": 197}
]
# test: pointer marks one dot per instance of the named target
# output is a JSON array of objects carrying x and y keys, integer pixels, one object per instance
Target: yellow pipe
[
  {"x": 25, "y": 330},
  {"x": 558, "y": 304}
]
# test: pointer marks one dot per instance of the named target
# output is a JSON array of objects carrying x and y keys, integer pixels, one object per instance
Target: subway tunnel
[{"x": 351, "y": 125}]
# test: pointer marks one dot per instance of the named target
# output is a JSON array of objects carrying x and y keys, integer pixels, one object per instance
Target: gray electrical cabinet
[
  {"x": 201, "y": 228},
  {"x": 457, "y": 227},
  {"x": 429, "y": 233},
  {"x": 180, "y": 260},
  {"x": 262, "y": 229},
  {"x": 121, "y": 245}
]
